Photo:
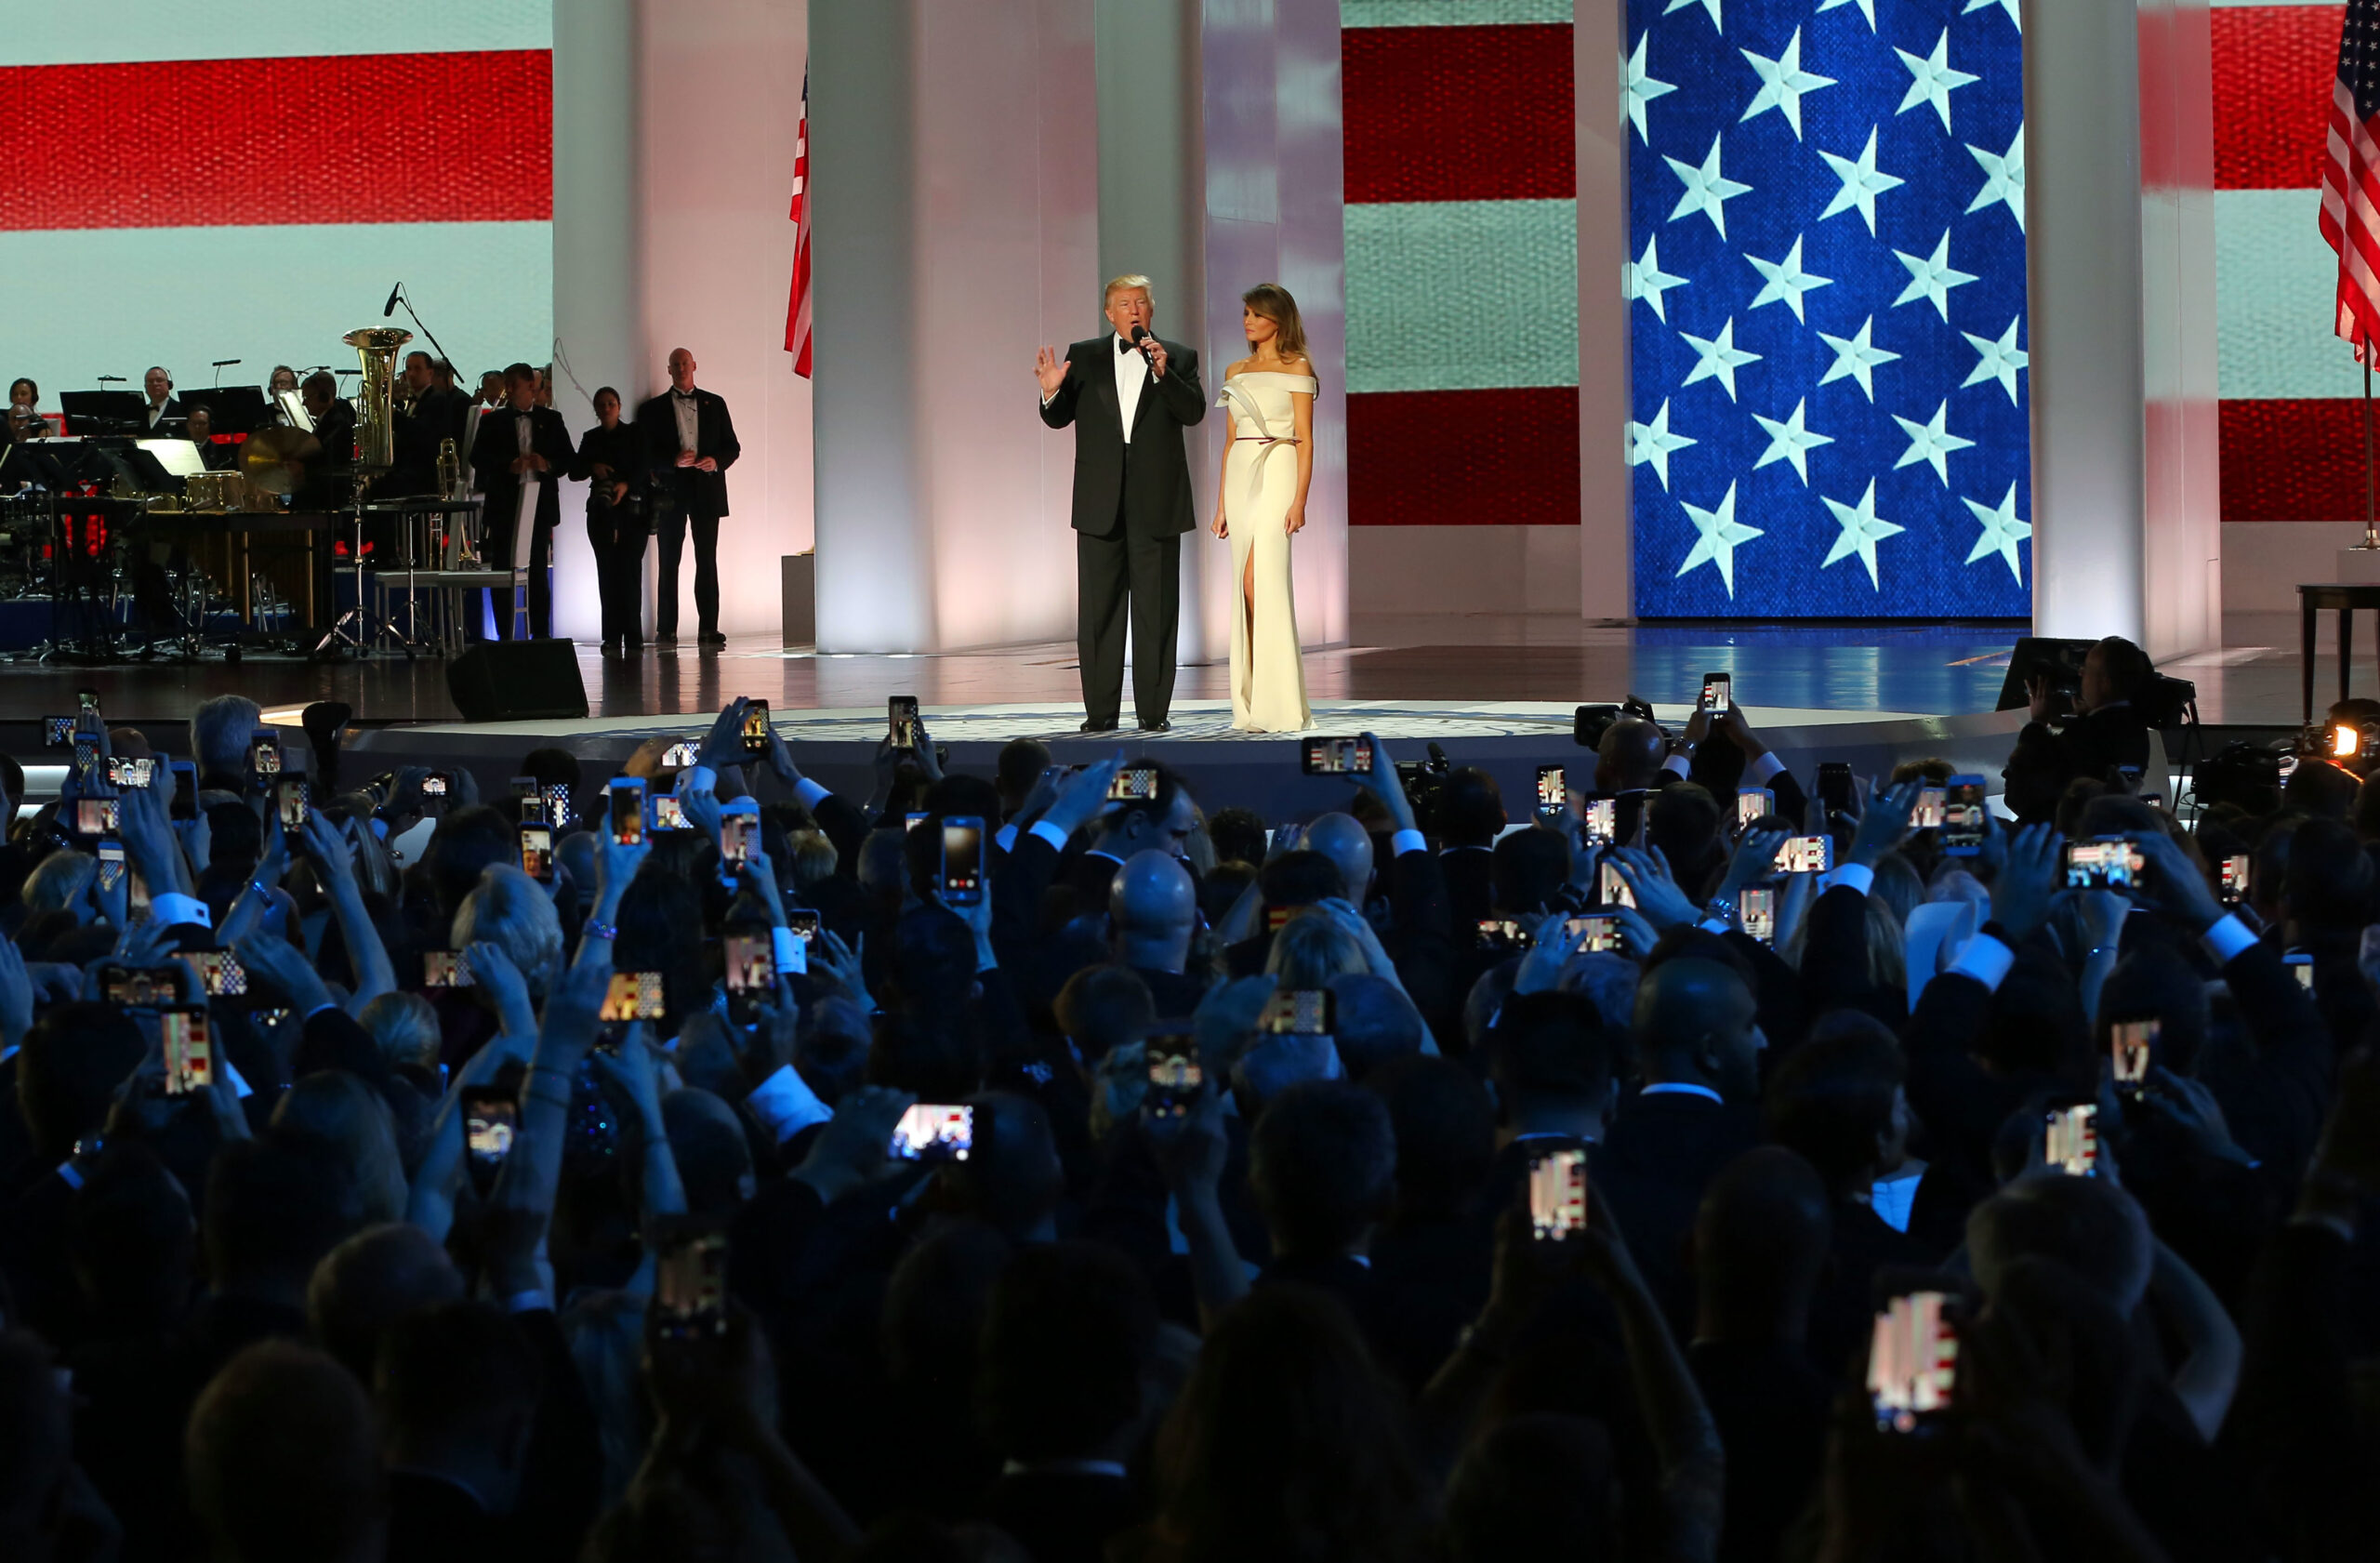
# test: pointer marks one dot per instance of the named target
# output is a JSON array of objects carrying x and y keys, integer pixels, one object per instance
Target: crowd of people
[{"x": 1173, "y": 1183}]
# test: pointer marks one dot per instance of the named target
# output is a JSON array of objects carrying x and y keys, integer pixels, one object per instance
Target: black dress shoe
[
  {"x": 1095, "y": 725},
  {"x": 1159, "y": 725},
  {"x": 711, "y": 638}
]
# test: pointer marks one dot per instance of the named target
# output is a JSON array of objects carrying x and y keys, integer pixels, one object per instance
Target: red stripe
[
  {"x": 1458, "y": 114},
  {"x": 2274, "y": 69},
  {"x": 391, "y": 138},
  {"x": 2293, "y": 459},
  {"x": 1516, "y": 462}
]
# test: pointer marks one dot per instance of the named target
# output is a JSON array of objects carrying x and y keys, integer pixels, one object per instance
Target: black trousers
[
  {"x": 673, "y": 518},
  {"x": 1124, "y": 573},
  {"x": 617, "y": 537}
]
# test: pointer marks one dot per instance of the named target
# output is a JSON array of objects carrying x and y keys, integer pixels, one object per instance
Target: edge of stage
[{"x": 837, "y": 747}]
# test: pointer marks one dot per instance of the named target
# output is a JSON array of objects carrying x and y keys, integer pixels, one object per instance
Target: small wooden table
[{"x": 2346, "y": 600}]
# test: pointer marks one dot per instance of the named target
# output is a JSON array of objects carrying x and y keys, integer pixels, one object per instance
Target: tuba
[{"x": 376, "y": 421}]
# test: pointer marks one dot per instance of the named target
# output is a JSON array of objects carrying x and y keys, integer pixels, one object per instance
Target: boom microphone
[{"x": 390, "y": 307}]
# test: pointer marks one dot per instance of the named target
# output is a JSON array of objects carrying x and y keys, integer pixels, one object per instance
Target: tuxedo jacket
[
  {"x": 1152, "y": 489},
  {"x": 703, "y": 493},
  {"x": 495, "y": 446}
]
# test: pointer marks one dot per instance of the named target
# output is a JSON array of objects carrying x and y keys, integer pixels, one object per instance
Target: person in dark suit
[
  {"x": 327, "y": 481},
  {"x": 611, "y": 462},
  {"x": 1130, "y": 396},
  {"x": 163, "y": 407},
  {"x": 1469, "y": 816},
  {"x": 214, "y": 457},
  {"x": 1698, "y": 1040},
  {"x": 2107, "y": 734},
  {"x": 526, "y": 440},
  {"x": 428, "y": 415},
  {"x": 689, "y": 444}
]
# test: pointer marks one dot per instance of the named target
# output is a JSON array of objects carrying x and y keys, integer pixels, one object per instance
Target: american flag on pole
[
  {"x": 797, "y": 311},
  {"x": 2351, "y": 177}
]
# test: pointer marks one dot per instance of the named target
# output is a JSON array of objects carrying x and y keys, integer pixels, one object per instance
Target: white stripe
[
  {"x": 115, "y": 301},
  {"x": 104, "y": 32},
  {"x": 1449, "y": 13},
  {"x": 2276, "y": 287}
]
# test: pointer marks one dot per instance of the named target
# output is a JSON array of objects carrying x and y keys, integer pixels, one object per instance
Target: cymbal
[{"x": 271, "y": 458}]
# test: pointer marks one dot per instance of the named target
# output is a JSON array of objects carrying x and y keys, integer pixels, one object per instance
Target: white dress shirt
[
  {"x": 688, "y": 420},
  {"x": 1131, "y": 377},
  {"x": 156, "y": 412},
  {"x": 525, "y": 427}
]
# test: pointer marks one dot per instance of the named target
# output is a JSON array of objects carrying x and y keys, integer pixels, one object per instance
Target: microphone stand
[{"x": 425, "y": 332}]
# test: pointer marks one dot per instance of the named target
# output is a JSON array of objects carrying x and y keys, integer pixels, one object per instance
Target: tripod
[{"x": 361, "y": 629}]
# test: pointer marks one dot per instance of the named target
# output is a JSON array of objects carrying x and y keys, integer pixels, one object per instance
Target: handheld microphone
[
  {"x": 390, "y": 307},
  {"x": 1142, "y": 340}
]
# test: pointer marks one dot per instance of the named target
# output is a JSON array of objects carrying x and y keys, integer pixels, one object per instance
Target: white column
[
  {"x": 721, "y": 104},
  {"x": 2126, "y": 537},
  {"x": 954, "y": 175},
  {"x": 1606, "y": 588},
  {"x": 599, "y": 298}
]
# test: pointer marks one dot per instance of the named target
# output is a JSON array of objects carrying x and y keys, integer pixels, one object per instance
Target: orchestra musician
[
  {"x": 200, "y": 427},
  {"x": 327, "y": 477},
  {"x": 22, "y": 460},
  {"x": 519, "y": 442},
  {"x": 162, "y": 407}
]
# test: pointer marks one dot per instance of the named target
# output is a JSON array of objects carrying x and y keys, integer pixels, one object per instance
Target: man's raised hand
[{"x": 1051, "y": 370}]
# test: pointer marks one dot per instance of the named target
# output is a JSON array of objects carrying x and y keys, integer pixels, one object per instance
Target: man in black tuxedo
[
  {"x": 163, "y": 408},
  {"x": 521, "y": 440},
  {"x": 689, "y": 444},
  {"x": 1131, "y": 395}
]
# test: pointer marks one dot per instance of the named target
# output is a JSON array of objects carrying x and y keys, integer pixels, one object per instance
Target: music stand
[
  {"x": 232, "y": 409},
  {"x": 102, "y": 412}
]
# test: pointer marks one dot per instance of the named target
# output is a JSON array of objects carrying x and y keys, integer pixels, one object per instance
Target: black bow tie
[
  {"x": 683, "y": 396},
  {"x": 1122, "y": 347}
]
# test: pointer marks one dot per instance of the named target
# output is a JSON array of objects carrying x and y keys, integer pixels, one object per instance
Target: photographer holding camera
[{"x": 2106, "y": 732}]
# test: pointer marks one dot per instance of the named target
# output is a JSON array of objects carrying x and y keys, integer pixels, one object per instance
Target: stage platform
[{"x": 1493, "y": 691}]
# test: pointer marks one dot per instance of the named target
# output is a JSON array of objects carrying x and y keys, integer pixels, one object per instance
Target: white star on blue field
[{"x": 1831, "y": 349}]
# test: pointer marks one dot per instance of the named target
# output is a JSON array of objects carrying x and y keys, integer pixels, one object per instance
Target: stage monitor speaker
[{"x": 517, "y": 681}]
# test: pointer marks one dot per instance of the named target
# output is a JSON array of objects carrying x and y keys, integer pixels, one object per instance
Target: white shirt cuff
[
  {"x": 1006, "y": 837},
  {"x": 1678, "y": 764},
  {"x": 1758, "y": 772},
  {"x": 175, "y": 908},
  {"x": 792, "y": 954},
  {"x": 1050, "y": 833},
  {"x": 1408, "y": 841},
  {"x": 1858, "y": 876},
  {"x": 1716, "y": 925},
  {"x": 787, "y": 1105},
  {"x": 2228, "y": 938},
  {"x": 529, "y": 1302},
  {"x": 1986, "y": 960},
  {"x": 810, "y": 792}
]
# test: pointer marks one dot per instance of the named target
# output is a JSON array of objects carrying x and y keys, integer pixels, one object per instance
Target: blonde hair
[
  {"x": 338, "y": 1110},
  {"x": 1273, "y": 302},
  {"x": 813, "y": 856},
  {"x": 59, "y": 880},
  {"x": 511, "y": 911},
  {"x": 1129, "y": 279},
  {"x": 1311, "y": 950},
  {"x": 405, "y": 1028}
]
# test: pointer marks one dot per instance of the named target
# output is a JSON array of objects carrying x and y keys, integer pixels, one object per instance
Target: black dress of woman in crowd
[{"x": 612, "y": 462}]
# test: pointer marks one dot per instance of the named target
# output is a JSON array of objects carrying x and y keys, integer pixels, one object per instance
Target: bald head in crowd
[
  {"x": 1155, "y": 906},
  {"x": 1629, "y": 759},
  {"x": 1340, "y": 839},
  {"x": 1696, "y": 1023}
]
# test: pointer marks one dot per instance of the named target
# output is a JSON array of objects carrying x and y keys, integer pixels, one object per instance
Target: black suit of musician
[
  {"x": 689, "y": 445},
  {"x": 1131, "y": 499},
  {"x": 611, "y": 460},
  {"x": 514, "y": 441}
]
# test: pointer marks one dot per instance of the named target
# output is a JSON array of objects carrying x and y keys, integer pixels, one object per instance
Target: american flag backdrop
[
  {"x": 2350, "y": 221},
  {"x": 1830, "y": 357},
  {"x": 188, "y": 183},
  {"x": 797, "y": 309}
]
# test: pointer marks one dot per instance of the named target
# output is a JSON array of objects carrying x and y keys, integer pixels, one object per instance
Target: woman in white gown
[{"x": 1259, "y": 504}]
